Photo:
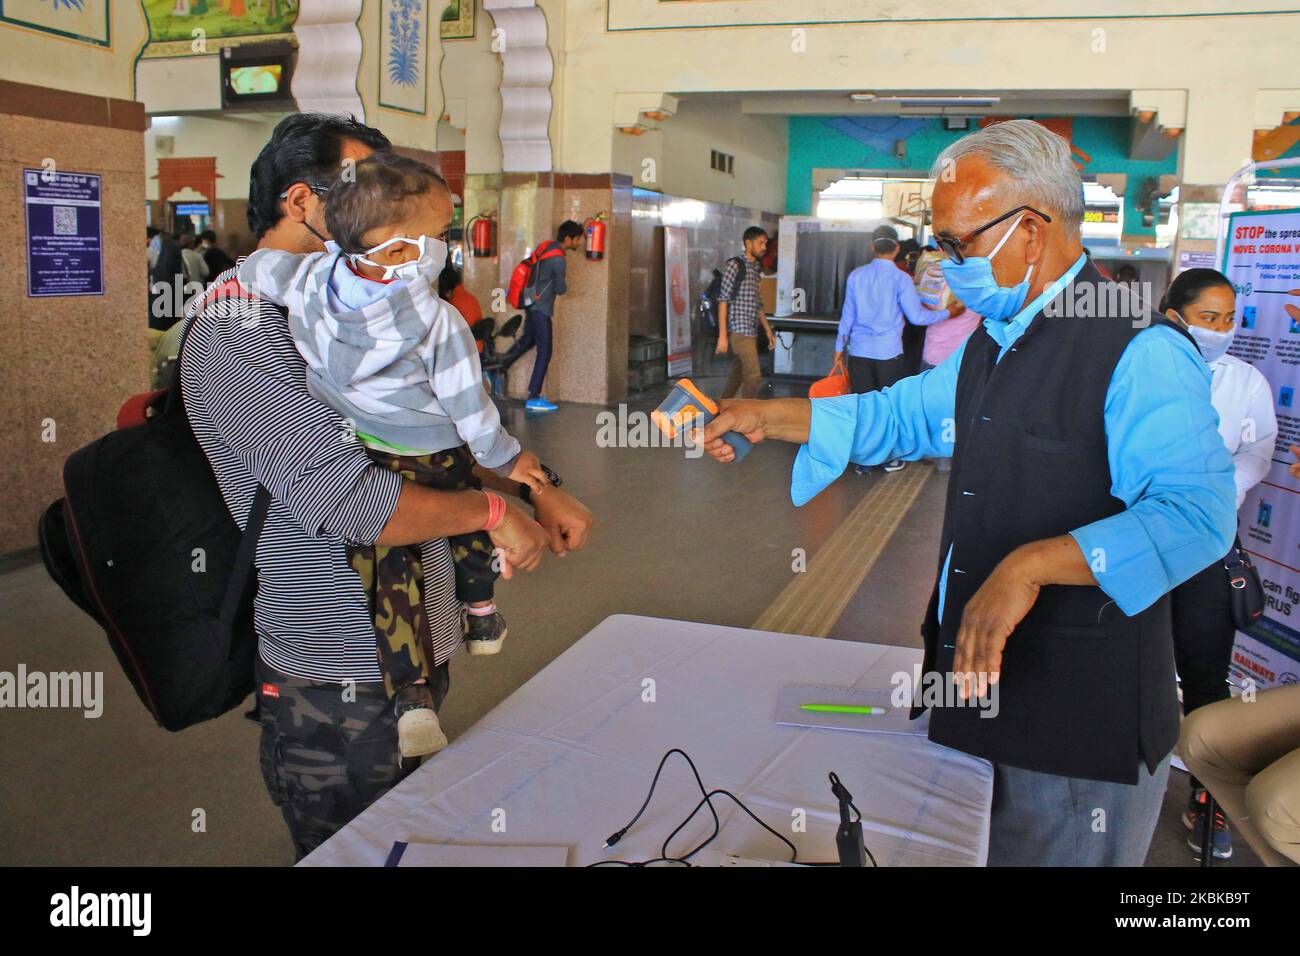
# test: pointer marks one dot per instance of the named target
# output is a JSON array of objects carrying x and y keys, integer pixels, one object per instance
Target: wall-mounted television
[{"x": 256, "y": 75}]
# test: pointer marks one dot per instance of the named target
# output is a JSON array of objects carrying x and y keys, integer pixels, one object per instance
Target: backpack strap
[
  {"x": 740, "y": 275},
  {"x": 536, "y": 255},
  {"x": 241, "y": 574}
]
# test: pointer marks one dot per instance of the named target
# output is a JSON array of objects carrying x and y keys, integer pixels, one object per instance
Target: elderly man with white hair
[{"x": 1088, "y": 480}]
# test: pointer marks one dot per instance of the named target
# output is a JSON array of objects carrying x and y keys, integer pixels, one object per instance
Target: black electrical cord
[
  {"x": 794, "y": 852},
  {"x": 707, "y": 800},
  {"x": 614, "y": 837}
]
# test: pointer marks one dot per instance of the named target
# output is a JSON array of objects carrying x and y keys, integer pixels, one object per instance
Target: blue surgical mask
[
  {"x": 431, "y": 259},
  {"x": 1213, "y": 345},
  {"x": 972, "y": 281}
]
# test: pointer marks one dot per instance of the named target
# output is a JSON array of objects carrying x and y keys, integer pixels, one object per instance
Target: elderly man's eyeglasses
[
  {"x": 952, "y": 247},
  {"x": 317, "y": 188}
]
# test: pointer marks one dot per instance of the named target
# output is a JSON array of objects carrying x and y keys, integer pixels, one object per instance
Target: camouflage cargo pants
[
  {"x": 328, "y": 750},
  {"x": 393, "y": 578}
]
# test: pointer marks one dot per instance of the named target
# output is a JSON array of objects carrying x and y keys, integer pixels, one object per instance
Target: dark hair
[
  {"x": 448, "y": 280},
  {"x": 304, "y": 148},
  {"x": 753, "y": 232},
  {"x": 884, "y": 231},
  {"x": 568, "y": 230},
  {"x": 1189, "y": 285},
  {"x": 884, "y": 247},
  {"x": 377, "y": 191},
  {"x": 207, "y": 235},
  {"x": 151, "y": 231}
]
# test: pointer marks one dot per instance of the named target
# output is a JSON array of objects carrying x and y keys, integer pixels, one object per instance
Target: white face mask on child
[{"x": 433, "y": 256}]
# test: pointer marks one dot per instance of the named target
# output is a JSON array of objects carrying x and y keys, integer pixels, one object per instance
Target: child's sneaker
[
  {"x": 484, "y": 633},
  {"x": 418, "y": 731}
]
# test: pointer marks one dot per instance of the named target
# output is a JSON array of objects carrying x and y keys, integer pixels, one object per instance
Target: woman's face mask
[
  {"x": 973, "y": 283},
  {"x": 1213, "y": 345},
  {"x": 431, "y": 257}
]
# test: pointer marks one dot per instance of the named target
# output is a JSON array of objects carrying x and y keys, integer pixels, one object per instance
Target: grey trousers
[{"x": 1041, "y": 819}]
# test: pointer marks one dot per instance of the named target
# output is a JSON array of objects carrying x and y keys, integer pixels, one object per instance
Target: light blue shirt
[
  {"x": 1167, "y": 462},
  {"x": 876, "y": 298}
]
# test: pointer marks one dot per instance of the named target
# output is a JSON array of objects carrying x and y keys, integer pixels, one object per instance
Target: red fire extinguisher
[
  {"x": 480, "y": 235},
  {"x": 595, "y": 229}
]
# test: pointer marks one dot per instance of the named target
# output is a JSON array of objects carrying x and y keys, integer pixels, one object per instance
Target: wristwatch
[{"x": 526, "y": 492}]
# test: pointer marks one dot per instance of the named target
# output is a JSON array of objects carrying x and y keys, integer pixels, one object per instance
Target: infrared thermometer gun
[{"x": 687, "y": 407}]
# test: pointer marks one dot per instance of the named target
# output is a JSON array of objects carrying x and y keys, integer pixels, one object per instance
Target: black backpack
[
  {"x": 708, "y": 308},
  {"x": 143, "y": 543}
]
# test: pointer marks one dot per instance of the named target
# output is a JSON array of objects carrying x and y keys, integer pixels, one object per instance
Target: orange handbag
[{"x": 836, "y": 383}]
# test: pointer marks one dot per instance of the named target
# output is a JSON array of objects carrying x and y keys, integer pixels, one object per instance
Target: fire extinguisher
[
  {"x": 481, "y": 235},
  {"x": 595, "y": 229}
]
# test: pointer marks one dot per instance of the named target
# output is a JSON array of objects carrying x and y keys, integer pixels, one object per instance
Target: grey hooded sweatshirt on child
[{"x": 404, "y": 369}]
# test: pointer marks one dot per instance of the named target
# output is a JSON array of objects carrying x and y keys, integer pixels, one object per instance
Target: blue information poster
[{"x": 65, "y": 243}]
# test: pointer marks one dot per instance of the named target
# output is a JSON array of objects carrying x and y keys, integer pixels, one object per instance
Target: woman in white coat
[{"x": 1203, "y": 302}]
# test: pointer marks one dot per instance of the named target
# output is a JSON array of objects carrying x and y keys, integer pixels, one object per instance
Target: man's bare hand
[
  {"x": 743, "y": 415},
  {"x": 988, "y": 619},
  {"x": 565, "y": 520},
  {"x": 723, "y": 345},
  {"x": 521, "y": 540}
]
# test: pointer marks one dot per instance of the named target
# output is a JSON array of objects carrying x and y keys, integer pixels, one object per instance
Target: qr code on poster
[{"x": 65, "y": 220}]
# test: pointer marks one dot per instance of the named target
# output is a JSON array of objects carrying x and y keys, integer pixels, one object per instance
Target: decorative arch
[{"x": 196, "y": 172}]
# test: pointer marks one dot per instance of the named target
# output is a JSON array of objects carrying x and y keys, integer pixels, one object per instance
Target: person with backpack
[
  {"x": 413, "y": 386},
  {"x": 329, "y": 743},
  {"x": 740, "y": 316},
  {"x": 535, "y": 284}
]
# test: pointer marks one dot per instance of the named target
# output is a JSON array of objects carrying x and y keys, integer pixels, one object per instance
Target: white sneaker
[{"x": 896, "y": 465}]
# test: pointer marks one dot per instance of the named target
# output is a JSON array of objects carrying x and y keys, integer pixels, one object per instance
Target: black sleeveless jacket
[{"x": 1085, "y": 691}]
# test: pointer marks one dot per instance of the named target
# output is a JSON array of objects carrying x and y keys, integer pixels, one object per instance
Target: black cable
[
  {"x": 613, "y": 838},
  {"x": 794, "y": 852},
  {"x": 708, "y": 796}
]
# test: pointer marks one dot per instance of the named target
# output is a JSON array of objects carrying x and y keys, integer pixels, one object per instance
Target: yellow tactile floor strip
[{"x": 815, "y": 599}]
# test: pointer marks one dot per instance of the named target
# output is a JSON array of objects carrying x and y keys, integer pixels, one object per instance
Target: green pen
[{"x": 844, "y": 709}]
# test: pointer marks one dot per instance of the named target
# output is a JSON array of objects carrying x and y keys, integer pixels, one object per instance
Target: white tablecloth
[{"x": 568, "y": 758}]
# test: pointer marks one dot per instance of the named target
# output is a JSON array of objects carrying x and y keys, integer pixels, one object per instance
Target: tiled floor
[{"x": 674, "y": 538}]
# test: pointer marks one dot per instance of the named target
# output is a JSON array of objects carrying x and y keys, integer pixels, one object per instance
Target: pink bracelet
[{"x": 496, "y": 510}]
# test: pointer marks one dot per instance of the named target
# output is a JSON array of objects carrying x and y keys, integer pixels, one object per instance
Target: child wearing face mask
[
  {"x": 400, "y": 364},
  {"x": 1202, "y": 301}
]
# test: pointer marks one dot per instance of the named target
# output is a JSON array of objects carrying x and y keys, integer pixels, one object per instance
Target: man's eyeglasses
[
  {"x": 952, "y": 247},
  {"x": 317, "y": 188}
]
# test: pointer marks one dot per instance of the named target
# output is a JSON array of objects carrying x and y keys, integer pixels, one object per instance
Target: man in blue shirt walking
[
  {"x": 877, "y": 297},
  {"x": 1088, "y": 480}
]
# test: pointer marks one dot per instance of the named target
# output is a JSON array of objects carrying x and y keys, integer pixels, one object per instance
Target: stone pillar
[
  {"x": 69, "y": 361},
  {"x": 589, "y": 360}
]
